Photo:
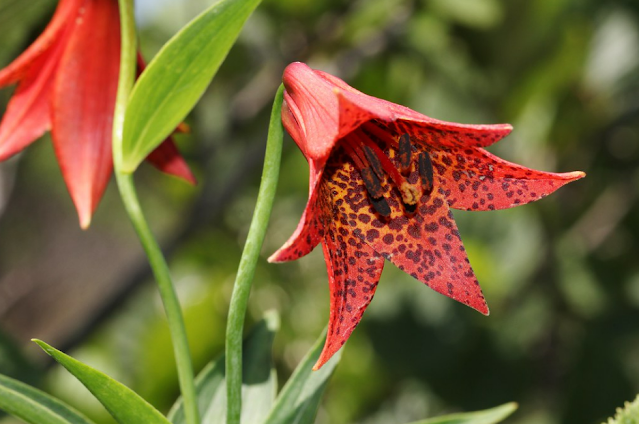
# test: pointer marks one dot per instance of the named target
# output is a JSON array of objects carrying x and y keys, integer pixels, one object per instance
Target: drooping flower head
[
  {"x": 382, "y": 181},
  {"x": 67, "y": 83}
]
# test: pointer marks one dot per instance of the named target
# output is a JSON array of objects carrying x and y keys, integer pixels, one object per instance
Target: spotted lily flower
[
  {"x": 382, "y": 181},
  {"x": 67, "y": 82}
]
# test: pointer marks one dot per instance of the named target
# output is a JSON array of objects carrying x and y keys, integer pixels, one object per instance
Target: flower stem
[
  {"x": 248, "y": 262},
  {"x": 132, "y": 206}
]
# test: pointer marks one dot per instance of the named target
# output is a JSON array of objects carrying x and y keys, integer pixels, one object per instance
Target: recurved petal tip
[
  {"x": 327, "y": 353},
  {"x": 273, "y": 258},
  {"x": 575, "y": 175},
  {"x": 167, "y": 159},
  {"x": 85, "y": 221},
  {"x": 483, "y": 310}
]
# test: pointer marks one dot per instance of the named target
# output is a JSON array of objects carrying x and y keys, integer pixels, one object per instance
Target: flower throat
[{"x": 374, "y": 165}]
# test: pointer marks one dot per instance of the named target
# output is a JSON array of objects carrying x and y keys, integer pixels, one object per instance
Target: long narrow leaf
[
  {"x": 300, "y": 398},
  {"x": 487, "y": 416},
  {"x": 259, "y": 385},
  {"x": 34, "y": 406},
  {"x": 177, "y": 77},
  {"x": 126, "y": 406}
]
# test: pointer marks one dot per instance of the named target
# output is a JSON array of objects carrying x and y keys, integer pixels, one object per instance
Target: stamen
[
  {"x": 381, "y": 206},
  {"x": 372, "y": 183},
  {"x": 363, "y": 146},
  {"x": 404, "y": 153},
  {"x": 374, "y": 161},
  {"x": 407, "y": 191},
  {"x": 426, "y": 171}
]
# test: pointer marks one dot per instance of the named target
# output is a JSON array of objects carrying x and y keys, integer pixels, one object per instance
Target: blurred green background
[{"x": 561, "y": 276}]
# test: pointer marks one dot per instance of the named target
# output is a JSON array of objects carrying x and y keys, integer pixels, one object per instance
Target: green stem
[
  {"x": 132, "y": 206},
  {"x": 248, "y": 262}
]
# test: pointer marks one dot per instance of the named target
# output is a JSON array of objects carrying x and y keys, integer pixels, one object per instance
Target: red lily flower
[
  {"x": 67, "y": 82},
  {"x": 382, "y": 181}
]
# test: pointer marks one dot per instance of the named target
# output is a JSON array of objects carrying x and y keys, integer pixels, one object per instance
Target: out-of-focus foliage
[
  {"x": 629, "y": 414},
  {"x": 488, "y": 416},
  {"x": 561, "y": 276}
]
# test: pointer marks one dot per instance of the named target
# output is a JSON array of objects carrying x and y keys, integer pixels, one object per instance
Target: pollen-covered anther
[
  {"x": 374, "y": 165},
  {"x": 405, "y": 151},
  {"x": 370, "y": 175},
  {"x": 372, "y": 158},
  {"x": 373, "y": 186},
  {"x": 426, "y": 171}
]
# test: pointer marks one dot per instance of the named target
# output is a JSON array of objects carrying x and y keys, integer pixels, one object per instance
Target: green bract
[
  {"x": 126, "y": 406},
  {"x": 34, "y": 406},
  {"x": 487, "y": 416},
  {"x": 259, "y": 384},
  {"x": 300, "y": 397},
  {"x": 177, "y": 77}
]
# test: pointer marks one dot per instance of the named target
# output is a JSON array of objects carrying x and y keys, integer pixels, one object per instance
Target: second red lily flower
[
  {"x": 67, "y": 82},
  {"x": 382, "y": 181}
]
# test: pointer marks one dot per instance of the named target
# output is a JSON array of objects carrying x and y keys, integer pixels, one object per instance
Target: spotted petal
[
  {"x": 474, "y": 179},
  {"x": 425, "y": 243},
  {"x": 310, "y": 230},
  {"x": 353, "y": 269}
]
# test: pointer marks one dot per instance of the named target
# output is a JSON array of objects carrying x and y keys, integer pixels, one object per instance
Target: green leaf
[
  {"x": 628, "y": 415},
  {"x": 487, "y": 416},
  {"x": 34, "y": 406},
  {"x": 299, "y": 400},
  {"x": 176, "y": 78},
  {"x": 259, "y": 385},
  {"x": 126, "y": 406}
]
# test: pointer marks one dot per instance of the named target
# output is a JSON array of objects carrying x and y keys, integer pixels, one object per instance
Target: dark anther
[
  {"x": 426, "y": 171},
  {"x": 381, "y": 206},
  {"x": 404, "y": 153},
  {"x": 373, "y": 160},
  {"x": 372, "y": 183}
]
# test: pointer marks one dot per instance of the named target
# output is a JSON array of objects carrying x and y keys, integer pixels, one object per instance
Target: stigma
[{"x": 366, "y": 147}]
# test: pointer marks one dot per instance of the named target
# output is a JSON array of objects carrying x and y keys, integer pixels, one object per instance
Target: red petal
[
  {"x": 64, "y": 15},
  {"x": 428, "y": 247},
  {"x": 425, "y": 245},
  {"x": 353, "y": 273},
  {"x": 27, "y": 116},
  {"x": 313, "y": 105},
  {"x": 474, "y": 179},
  {"x": 166, "y": 158},
  {"x": 309, "y": 231},
  {"x": 307, "y": 235},
  {"x": 357, "y": 108},
  {"x": 83, "y": 103}
]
